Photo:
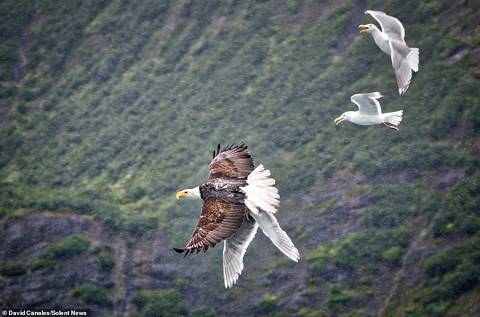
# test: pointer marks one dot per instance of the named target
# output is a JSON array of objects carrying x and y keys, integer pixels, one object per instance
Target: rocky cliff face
[
  {"x": 25, "y": 241},
  {"x": 43, "y": 268},
  {"x": 50, "y": 260}
]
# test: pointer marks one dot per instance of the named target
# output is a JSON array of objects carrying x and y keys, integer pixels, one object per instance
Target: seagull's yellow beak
[
  {"x": 338, "y": 120},
  {"x": 363, "y": 28},
  {"x": 181, "y": 195}
]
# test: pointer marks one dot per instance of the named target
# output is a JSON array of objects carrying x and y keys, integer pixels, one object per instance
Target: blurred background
[{"x": 108, "y": 108}]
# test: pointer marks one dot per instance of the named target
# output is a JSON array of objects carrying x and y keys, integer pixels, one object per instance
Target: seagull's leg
[{"x": 391, "y": 126}]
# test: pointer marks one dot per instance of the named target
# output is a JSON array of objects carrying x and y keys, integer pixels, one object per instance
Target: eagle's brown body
[{"x": 224, "y": 209}]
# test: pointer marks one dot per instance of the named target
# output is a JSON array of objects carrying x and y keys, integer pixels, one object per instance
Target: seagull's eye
[{"x": 185, "y": 192}]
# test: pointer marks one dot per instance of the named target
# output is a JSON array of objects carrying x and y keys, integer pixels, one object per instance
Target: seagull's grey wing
[
  {"x": 367, "y": 103},
  {"x": 234, "y": 250},
  {"x": 271, "y": 228},
  {"x": 403, "y": 72},
  {"x": 390, "y": 25}
]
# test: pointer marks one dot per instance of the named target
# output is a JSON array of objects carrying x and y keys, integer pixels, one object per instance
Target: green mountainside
[{"x": 108, "y": 108}]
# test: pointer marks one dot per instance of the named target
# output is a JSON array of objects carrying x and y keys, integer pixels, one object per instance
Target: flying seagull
[
  {"x": 237, "y": 199},
  {"x": 391, "y": 41},
  {"x": 369, "y": 112}
]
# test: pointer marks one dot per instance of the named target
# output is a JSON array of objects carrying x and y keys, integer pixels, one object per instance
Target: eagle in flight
[{"x": 237, "y": 199}]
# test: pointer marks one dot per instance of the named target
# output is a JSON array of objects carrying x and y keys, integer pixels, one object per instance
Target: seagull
[
  {"x": 237, "y": 199},
  {"x": 369, "y": 112},
  {"x": 391, "y": 41}
]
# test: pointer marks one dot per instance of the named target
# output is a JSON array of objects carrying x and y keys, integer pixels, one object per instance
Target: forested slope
[{"x": 107, "y": 108}]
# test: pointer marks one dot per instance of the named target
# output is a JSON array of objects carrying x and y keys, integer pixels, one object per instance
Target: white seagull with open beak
[{"x": 391, "y": 41}]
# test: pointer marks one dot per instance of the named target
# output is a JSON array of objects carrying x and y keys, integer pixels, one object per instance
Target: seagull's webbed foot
[{"x": 391, "y": 126}]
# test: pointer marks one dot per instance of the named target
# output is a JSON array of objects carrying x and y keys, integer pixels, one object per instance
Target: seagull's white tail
[
  {"x": 280, "y": 239},
  {"x": 393, "y": 117},
  {"x": 261, "y": 192},
  {"x": 412, "y": 59}
]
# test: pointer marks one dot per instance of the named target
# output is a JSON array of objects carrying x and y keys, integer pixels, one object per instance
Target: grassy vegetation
[
  {"x": 68, "y": 247},
  {"x": 12, "y": 269},
  {"x": 105, "y": 256},
  {"x": 167, "y": 302},
  {"x": 92, "y": 294},
  {"x": 40, "y": 263},
  {"x": 460, "y": 212},
  {"x": 103, "y": 139},
  {"x": 62, "y": 250},
  {"x": 118, "y": 106}
]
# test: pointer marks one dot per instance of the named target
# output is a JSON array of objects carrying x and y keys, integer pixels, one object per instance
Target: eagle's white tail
[
  {"x": 412, "y": 59},
  {"x": 261, "y": 192},
  {"x": 393, "y": 117},
  {"x": 280, "y": 239}
]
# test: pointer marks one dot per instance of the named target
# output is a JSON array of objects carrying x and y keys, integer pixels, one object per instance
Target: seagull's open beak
[
  {"x": 338, "y": 120},
  {"x": 363, "y": 27},
  {"x": 181, "y": 195}
]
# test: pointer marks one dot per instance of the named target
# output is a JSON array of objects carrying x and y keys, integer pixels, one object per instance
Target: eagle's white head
[{"x": 189, "y": 193}]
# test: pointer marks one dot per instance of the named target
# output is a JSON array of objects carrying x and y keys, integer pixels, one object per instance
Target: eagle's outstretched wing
[{"x": 233, "y": 162}]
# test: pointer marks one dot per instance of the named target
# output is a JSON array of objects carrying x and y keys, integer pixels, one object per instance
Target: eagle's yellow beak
[
  {"x": 181, "y": 195},
  {"x": 338, "y": 120},
  {"x": 363, "y": 28}
]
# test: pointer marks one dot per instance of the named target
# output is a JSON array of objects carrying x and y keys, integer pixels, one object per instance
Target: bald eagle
[{"x": 237, "y": 199}]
